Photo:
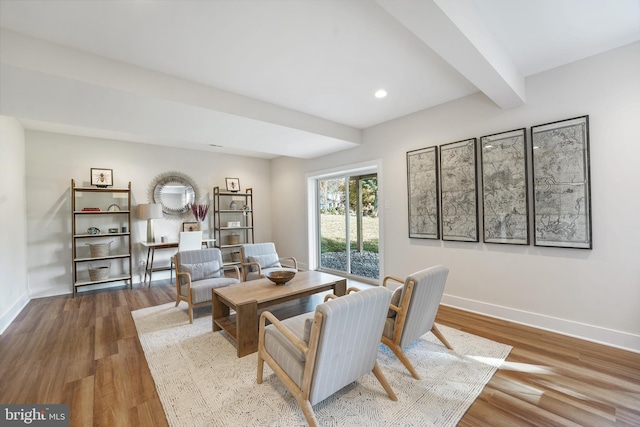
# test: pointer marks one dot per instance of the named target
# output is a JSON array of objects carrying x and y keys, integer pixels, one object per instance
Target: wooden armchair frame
[{"x": 401, "y": 316}]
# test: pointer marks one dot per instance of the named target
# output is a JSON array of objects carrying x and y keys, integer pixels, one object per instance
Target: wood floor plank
[
  {"x": 85, "y": 351},
  {"x": 79, "y": 396}
]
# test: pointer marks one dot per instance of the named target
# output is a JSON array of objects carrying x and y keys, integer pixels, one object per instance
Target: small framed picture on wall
[
  {"x": 190, "y": 226},
  {"x": 102, "y": 178},
  {"x": 233, "y": 184}
]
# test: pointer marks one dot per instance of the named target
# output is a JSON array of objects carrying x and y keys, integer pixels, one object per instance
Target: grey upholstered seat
[
  {"x": 413, "y": 310},
  {"x": 258, "y": 259},
  {"x": 197, "y": 273},
  {"x": 318, "y": 353}
]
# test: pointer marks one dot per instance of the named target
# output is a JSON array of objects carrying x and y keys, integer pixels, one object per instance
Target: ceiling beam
[
  {"x": 43, "y": 83},
  {"x": 454, "y": 31}
]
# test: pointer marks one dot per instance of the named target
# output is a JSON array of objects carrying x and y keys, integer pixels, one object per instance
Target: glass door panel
[
  {"x": 332, "y": 224},
  {"x": 348, "y": 218},
  {"x": 363, "y": 226}
]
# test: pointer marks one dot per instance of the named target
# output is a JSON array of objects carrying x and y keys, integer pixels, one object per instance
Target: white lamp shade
[{"x": 150, "y": 211}]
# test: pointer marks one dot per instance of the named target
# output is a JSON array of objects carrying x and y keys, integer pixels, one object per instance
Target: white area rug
[{"x": 201, "y": 382}]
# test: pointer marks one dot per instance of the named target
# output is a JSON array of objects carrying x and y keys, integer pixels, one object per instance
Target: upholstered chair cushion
[
  {"x": 395, "y": 300},
  {"x": 201, "y": 271},
  {"x": 265, "y": 261},
  {"x": 201, "y": 289},
  {"x": 254, "y": 249},
  {"x": 389, "y": 327},
  {"x": 308, "y": 324},
  {"x": 289, "y": 357}
]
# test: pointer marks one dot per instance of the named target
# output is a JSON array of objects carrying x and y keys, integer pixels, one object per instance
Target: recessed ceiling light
[{"x": 380, "y": 93}]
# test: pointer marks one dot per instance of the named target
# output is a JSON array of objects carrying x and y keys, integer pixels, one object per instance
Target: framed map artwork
[
  {"x": 562, "y": 184},
  {"x": 505, "y": 195},
  {"x": 459, "y": 191},
  {"x": 422, "y": 185}
]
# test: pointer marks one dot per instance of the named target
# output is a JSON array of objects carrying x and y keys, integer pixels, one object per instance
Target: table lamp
[{"x": 150, "y": 212}]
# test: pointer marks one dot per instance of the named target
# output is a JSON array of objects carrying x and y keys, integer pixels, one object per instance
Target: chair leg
[
  {"x": 260, "y": 368},
  {"x": 307, "y": 410},
  {"x": 190, "y": 313},
  {"x": 383, "y": 380},
  {"x": 177, "y": 302},
  {"x": 441, "y": 337},
  {"x": 399, "y": 353}
]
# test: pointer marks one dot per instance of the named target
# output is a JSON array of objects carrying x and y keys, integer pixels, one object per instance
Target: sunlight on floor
[{"x": 513, "y": 366}]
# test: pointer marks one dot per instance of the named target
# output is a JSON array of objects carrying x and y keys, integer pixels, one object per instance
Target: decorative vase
[{"x": 233, "y": 205}]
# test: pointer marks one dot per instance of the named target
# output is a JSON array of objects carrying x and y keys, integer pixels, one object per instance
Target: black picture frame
[
  {"x": 101, "y": 178},
  {"x": 562, "y": 184},
  {"x": 423, "y": 193},
  {"x": 459, "y": 191},
  {"x": 505, "y": 189},
  {"x": 233, "y": 184}
]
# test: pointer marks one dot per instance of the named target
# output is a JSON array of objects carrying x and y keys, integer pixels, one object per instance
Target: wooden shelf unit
[
  {"x": 122, "y": 216},
  {"x": 222, "y": 214}
]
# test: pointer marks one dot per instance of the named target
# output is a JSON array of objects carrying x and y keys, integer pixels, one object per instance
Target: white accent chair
[
  {"x": 413, "y": 310},
  {"x": 259, "y": 259},
  {"x": 316, "y": 354},
  {"x": 197, "y": 273}
]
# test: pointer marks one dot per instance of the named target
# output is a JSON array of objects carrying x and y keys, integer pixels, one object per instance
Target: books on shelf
[{"x": 90, "y": 209}]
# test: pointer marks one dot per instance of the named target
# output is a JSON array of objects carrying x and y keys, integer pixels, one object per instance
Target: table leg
[
  {"x": 247, "y": 328},
  {"x": 153, "y": 253},
  {"x": 146, "y": 266},
  {"x": 340, "y": 287},
  {"x": 218, "y": 310}
]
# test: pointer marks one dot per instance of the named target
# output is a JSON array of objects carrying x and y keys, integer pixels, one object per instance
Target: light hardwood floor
[{"x": 84, "y": 351}]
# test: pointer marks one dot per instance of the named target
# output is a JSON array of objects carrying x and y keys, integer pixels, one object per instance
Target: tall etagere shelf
[
  {"x": 232, "y": 222},
  {"x": 113, "y": 215}
]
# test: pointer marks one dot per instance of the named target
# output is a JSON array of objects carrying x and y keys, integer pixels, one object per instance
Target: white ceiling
[{"x": 268, "y": 78}]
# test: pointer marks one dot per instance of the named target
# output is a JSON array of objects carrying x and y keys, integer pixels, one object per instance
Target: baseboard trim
[
  {"x": 608, "y": 337},
  {"x": 13, "y": 312}
]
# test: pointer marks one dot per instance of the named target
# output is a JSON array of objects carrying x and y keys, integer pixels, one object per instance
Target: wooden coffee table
[{"x": 247, "y": 298}]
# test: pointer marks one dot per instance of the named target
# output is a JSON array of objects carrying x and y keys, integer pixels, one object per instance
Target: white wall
[
  {"x": 593, "y": 294},
  {"x": 13, "y": 247},
  {"x": 54, "y": 159}
]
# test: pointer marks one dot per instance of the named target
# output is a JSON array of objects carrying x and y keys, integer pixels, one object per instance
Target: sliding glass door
[{"x": 348, "y": 218}]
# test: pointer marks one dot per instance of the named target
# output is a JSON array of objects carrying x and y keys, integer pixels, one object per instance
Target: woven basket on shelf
[
  {"x": 99, "y": 249},
  {"x": 233, "y": 239},
  {"x": 99, "y": 273}
]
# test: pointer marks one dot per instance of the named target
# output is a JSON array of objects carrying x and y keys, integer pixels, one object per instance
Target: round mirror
[{"x": 175, "y": 193}]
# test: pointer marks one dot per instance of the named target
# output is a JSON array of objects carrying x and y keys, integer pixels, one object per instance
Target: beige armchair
[
  {"x": 412, "y": 311},
  {"x": 197, "y": 273},
  {"x": 258, "y": 259},
  {"x": 302, "y": 350}
]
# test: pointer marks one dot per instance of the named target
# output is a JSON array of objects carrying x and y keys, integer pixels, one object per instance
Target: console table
[{"x": 151, "y": 251}]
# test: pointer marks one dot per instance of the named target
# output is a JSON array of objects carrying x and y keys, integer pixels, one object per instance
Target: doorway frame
[{"x": 364, "y": 168}]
